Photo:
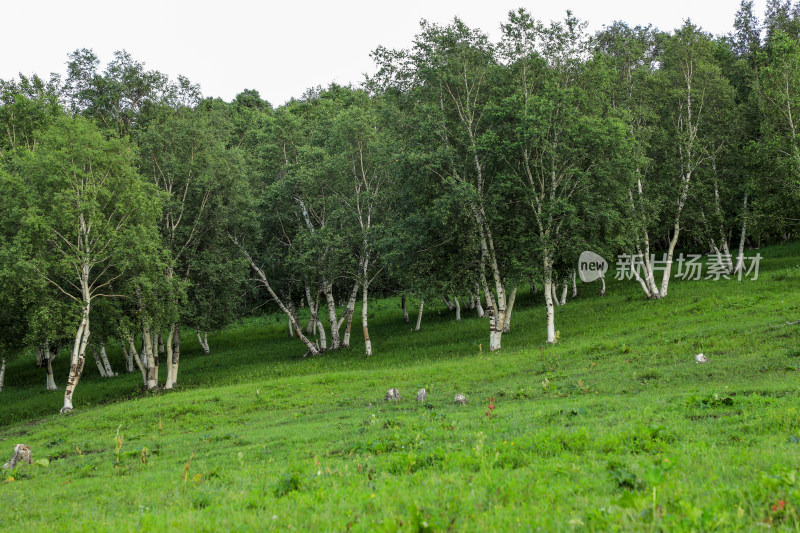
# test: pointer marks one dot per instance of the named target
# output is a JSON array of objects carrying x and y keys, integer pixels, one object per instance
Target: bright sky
[{"x": 282, "y": 48}]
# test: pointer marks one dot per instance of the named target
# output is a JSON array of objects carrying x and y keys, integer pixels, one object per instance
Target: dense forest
[{"x": 464, "y": 169}]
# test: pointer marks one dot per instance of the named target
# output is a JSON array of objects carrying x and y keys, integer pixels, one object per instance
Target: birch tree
[
  {"x": 556, "y": 138},
  {"x": 186, "y": 156},
  {"x": 451, "y": 69},
  {"x": 87, "y": 207}
]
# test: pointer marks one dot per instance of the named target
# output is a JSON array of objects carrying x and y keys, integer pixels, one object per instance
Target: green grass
[{"x": 615, "y": 428}]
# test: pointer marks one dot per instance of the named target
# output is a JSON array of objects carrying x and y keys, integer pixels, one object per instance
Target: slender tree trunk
[
  {"x": 2, "y": 373},
  {"x": 365, "y": 318},
  {"x": 149, "y": 356},
  {"x": 740, "y": 256},
  {"x": 419, "y": 314},
  {"x": 312, "y": 349},
  {"x": 156, "y": 357},
  {"x": 647, "y": 281},
  {"x": 457, "y": 307},
  {"x": 176, "y": 352},
  {"x": 99, "y": 362},
  {"x": 491, "y": 309},
  {"x": 564, "y": 290},
  {"x": 104, "y": 358},
  {"x": 128, "y": 357},
  {"x": 554, "y": 293},
  {"x": 313, "y": 306},
  {"x": 333, "y": 320},
  {"x": 135, "y": 356},
  {"x": 676, "y": 230},
  {"x": 202, "y": 338},
  {"x": 548, "y": 298},
  {"x": 603, "y": 289},
  {"x": 498, "y": 309},
  {"x": 44, "y": 359},
  {"x": 478, "y": 306},
  {"x": 511, "y": 299},
  {"x": 574, "y": 285},
  {"x": 403, "y": 305},
  {"x": 315, "y": 322},
  {"x": 348, "y": 316},
  {"x": 79, "y": 347},
  {"x": 448, "y": 302},
  {"x": 51, "y": 383},
  {"x": 168, "y": 382}
]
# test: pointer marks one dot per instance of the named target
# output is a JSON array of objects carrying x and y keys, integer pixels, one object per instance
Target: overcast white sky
[{"x": 282, "y": 48}]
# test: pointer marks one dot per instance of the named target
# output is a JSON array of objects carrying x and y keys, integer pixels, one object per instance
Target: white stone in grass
[
  {"x": 700, "y": 358},
  {"x": 392, "y": 394},
  {"x": 421, "y": 395},
  {"x": 460, "y": 399}
]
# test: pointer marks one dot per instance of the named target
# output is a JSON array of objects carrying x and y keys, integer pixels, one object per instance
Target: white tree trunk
[
  {"x": 740, "y": 256},
  {"x": 348, "y": 316},
  {"x": 51, "y": 383},
  {"x": 135, "y": 356},
  {"x": 99, "y": 363},
  {"x": 478, "y": 306},
  {"x": 448, "y": 303},
  {"x": 554, "y": 293},
  {"x": 2, "y": 373},
  {"x": 574, "y": 284},
  {"x": 78, "y": 348},
  {"x": 491, "y": 309},
  {"x": 457, "y": 306},
  {"x": 312, "y": 349},
  {"x": 647, "y": 281},
  {"x": 169, "y": 381},
  {"x": 603, "y": 289},
  {"x": 104, "y": 358},
  {"x": 333, "y": 320},
  {"x": 156, "y": 358},
  {"x": 202, "y": 338},
  {"x": 564, "y": 290},
  {"x": 405, "y": 310},
  {"x": 548, "y": 299},
  {"x": 511, "y": 299},
  {"x": 723, "y": 256},
  {"x": 365, "y": 319},
  {"x": 548, "y": 302},
  {"x": 419, "y": 314},
  {"x": 44, "y": 359},
  {"x": 128, "y": 357},
  {"x": 176, "y": 352},
  {"x": 147, "y": 355}
]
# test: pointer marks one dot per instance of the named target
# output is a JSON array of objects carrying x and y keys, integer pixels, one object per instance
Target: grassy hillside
[{"x": 615, "y": 428}]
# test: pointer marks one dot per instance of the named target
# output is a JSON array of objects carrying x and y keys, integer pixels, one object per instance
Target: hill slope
[{"x": 616, "y": 427}]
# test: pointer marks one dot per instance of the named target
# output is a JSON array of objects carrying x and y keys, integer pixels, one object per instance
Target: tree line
[{"x": 463, "y": 169}]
